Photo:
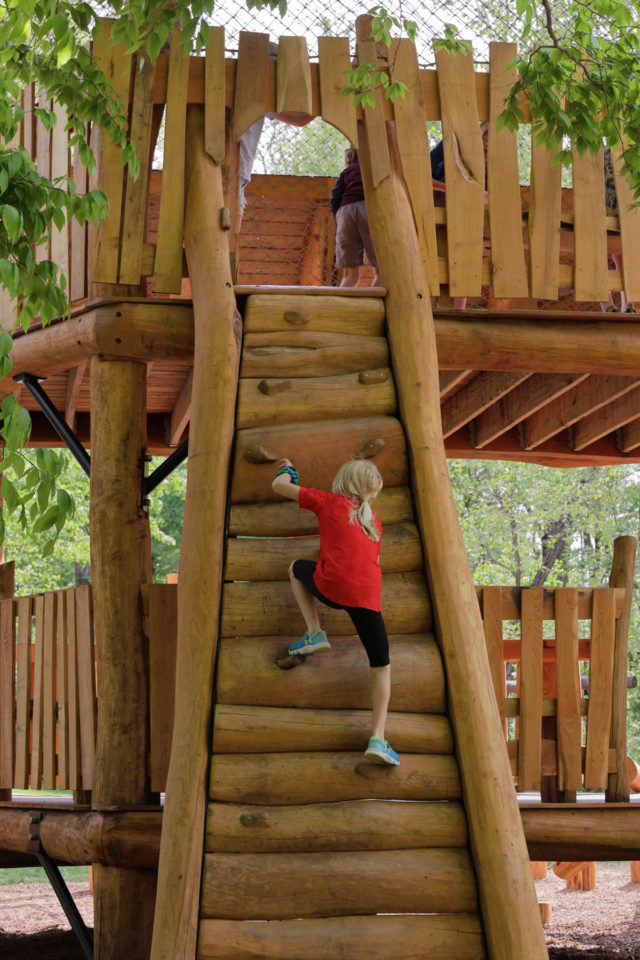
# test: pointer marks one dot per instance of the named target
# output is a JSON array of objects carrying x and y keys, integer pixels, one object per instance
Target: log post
[
  {"x": 622, "y": 573},
  {"x": 120, "y": 563},
  {"x": 7, "y": 590},
  {"x": 215, "y": 379},
  {"x": 507, "y": 893}
]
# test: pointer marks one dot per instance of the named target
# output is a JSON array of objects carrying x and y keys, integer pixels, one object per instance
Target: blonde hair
[{"x": 360, "y": 480}]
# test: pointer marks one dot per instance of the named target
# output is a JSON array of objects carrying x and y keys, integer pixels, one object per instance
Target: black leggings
[{"x": 368, "y": 623}]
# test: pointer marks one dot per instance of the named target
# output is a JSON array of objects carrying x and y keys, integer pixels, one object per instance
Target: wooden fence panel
[
  {"x": 62, "y": 651},
  {"x": 492, "y": 619},
  {"x": 293, "y": 78},
  {"x": 589, "y": 229},
  {"x": 413, "y": 147},
  {"x": 339, "y": 111},
  {"x": 508, "y": 267},
  {"x": 600, "y": 689},
  {"x": 544, "y": 224},
  {"x": 530, "y": 750},
  {"x": 214, "y": 96},
  {"x": 167, "y": 276},
  {"x": 49, "y": 694},
  {"x": 568, "y": 718},
  {"x": 75, "y": 757},
  {"x": 629, "y": 231},
  {"x": 24, "y": 607},
  {"x": 7, "y": 670},
  {"x": 465, "y": 172},
  {"x": 60, "y": 168},
  {"x": 374, "y": 122},
  {"x": 252, "y": 71},
  {"x": 35, "y": 777},
  {"x": 160, "y": 602},
  {"x": 85, "y": 648}
]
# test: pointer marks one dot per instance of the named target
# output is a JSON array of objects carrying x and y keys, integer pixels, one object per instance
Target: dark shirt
[
  {"x": 348, "y": 188},
  {"x": 437, "y": 162}
]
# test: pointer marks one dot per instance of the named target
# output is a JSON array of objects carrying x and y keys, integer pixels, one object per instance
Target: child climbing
[
  {"x": 346, "y": 576},
  {"x": 353, "y": 237}
]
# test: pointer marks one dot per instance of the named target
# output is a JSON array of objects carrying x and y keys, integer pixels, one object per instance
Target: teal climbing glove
[{"x": 293, "y": 473}]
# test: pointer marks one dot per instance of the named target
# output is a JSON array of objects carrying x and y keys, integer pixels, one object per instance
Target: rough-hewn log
[
  {"x": 215, "y": 373},
  {"x": 282, "y": 886},
  {"x": 120, "y": 563},
  {"x": 351, "y": 825},
  {"x": 317, "y": 453},
  {"x": 119, "y": 839},
  {"x": 274, "y": 400},
  {"x": 263, "y": 609},
  {"x": 339, "y": 679},
  {"x": 359, "y": 938},
  {"x": 284, "y": 778},
  {"x": 581, "y": 831},
  {"x": 305, "y": 353},
  {"x": 255, "y": 729},
  {"x": 392, "y": 505},
  {"x": 269, "y": 559},
  {"x": 507, "y": 893},
  {"x": 361, "y": 316},
  {"x": 622, "y": 575}
]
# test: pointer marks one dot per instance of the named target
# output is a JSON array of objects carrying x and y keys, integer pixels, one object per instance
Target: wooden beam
[
  {"x": 181, "y": 412},
  {"x": 74, "y": 382},
  {"x": 630, "y": 436},
  {"x": 555, "y": 452},
  {"x": 483, "y": 391},
  {"x": 580, "y": 401},
  {"x": 622, "y": 575},
  {"x": 582, "y": 831},
  {"x": 606, "y": 419},
  {"x": 532, "y": 395}
]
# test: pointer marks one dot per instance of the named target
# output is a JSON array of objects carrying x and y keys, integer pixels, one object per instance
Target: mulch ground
[{"x": 603, "y": 924}]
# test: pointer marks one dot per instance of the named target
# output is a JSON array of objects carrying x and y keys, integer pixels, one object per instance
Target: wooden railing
[
  {"x": 562, "y": 741},
  {"x": 477, "y": 239},
  {"x": 47, "y": 691}
]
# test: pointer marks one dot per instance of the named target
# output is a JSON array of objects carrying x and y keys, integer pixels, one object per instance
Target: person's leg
[
  {"x": 350, "y": 277},
  {"x": 371, "y": 629},
  {"x": 380, "y": 693},
  {"x": 306, "y": 601},
  {"x": 307, "y": 596},
  {"x": 348, "y": 246}
]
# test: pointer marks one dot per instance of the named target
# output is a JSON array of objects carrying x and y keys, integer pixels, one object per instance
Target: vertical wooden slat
[
  {"x": 60, "y": 168},
  {"x": 43, "y": 164},
  {"x": 78, "y": 255},
  {"x": 530, "y": 749},
  {"x": 161, "y": 627},
  {"x": 214, "y": 96},
  {"x": 293, "y": 77},
  {"x": 36, "y": 721},
  {"x": 629, "y": 230},
  {"x": 23, "y": 693},
  {"x": 622, "y": 575},
  {"x": 49, "y": 694},
  {"x": 589, "y": 229},
  {"x": 568, "y": 720},
  {"x": 73, "y": 711},
  {"x": 374, "y": 122},
  {"x": 167, "y": 276},
  {"x": 7, "y": 309},
  {"x": 115, "y": 63},
  {"x": 86, "y": 683},
  {"x": 413, "y": 146},
  {"x": 7, "y": 670},
  {"x": 339, "y": 111},
  {"x": 135, "y": 200},
  {"x": 492, "y": 620},
  {"x": 603, "y": 624},
  {"x": 508, "y": 267},
  {"x": 465, "y": 172},
  {"x": 544, "y": 224},
  {"x": 63, "y": 690},
  {"x": 251, "y": 81}
]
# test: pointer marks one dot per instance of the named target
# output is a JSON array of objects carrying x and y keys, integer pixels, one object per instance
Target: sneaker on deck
[
  {"x": 310, "y": 643},
  {"x": 380, "y": 751}
]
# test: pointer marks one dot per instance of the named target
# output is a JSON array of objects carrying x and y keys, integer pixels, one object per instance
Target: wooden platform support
[
  {"x": 215, "y": 378},
  {"x": 622, "y": 575},
  {"x": 508, "y": 900},
  {"x": 120, "y": 562}
]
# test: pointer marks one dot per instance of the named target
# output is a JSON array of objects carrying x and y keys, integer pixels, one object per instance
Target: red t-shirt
[{"x": 347, "y": 571}]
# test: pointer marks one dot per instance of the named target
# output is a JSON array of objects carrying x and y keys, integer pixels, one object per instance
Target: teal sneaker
[
  {"x": 380, "y": 751},
  {"x": 310, "y": 643}
]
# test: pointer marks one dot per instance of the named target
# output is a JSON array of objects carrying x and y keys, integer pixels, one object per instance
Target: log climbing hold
[
  {"x": 225, "y": 218},
  {"x": 258, "y": 454},
  {"x": 297, "y": 318},
  {"x": 373, "y": 376},
  {"x": 371, "y": 447},
  {"x": 269, "y": 387},
  {"x": 287, "y": 662},
  {"x": 261, "y": 819}
]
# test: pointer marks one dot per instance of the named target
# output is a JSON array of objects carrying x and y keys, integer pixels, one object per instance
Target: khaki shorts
[{"x": 352, "y": 236}]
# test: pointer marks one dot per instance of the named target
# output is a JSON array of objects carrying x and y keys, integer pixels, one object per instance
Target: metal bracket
[
  {"x": 165, "y": 468},
  {"x": 84, "y": 936},
  {"x": 58, "y": 422}
]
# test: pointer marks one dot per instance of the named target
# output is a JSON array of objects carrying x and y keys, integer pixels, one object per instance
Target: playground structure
[{"x": 277, "y": 840}]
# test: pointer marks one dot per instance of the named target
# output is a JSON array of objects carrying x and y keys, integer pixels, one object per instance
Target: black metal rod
[
  {"x": 166, "y": 467},
  {"x": 55, "y": 878},
  {"x": 58, "y": 423}
]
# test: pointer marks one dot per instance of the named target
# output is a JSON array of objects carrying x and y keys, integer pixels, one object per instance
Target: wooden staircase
[{"x": 309, "y": 855}]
